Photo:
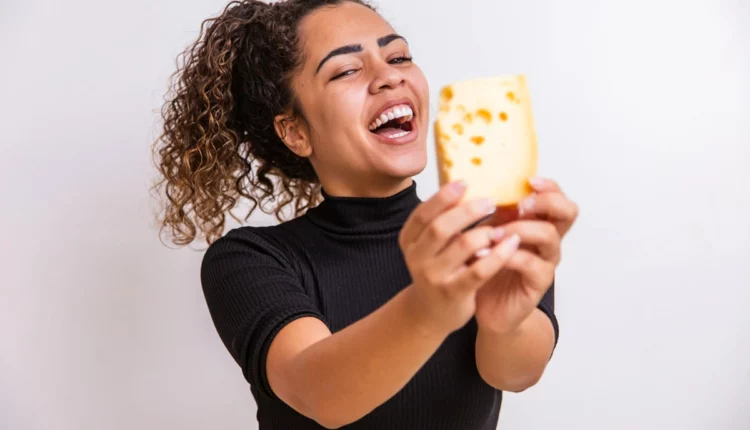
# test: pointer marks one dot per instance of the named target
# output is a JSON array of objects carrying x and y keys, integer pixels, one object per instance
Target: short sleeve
[
  {"x": 547, "y": 305},
  {"x": 252, "y": 293}
]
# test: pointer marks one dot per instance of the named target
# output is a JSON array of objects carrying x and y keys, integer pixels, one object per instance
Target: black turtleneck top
[{"x": 339, "y": 262}]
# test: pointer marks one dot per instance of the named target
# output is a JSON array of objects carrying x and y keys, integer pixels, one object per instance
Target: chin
[{"x": 407, "y": 165}]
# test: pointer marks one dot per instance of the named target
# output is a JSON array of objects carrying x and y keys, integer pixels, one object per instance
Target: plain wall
[{"x": 643, "y": 114}]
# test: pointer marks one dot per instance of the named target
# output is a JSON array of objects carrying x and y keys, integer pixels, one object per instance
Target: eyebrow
[{"x": 351, "y": 49}]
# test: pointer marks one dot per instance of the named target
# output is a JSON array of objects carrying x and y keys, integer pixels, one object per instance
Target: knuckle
[
  {"x": 437, "y": 231},
  {"x": 420, "y": 218},
  {"x": 469, "y": 242},
  {"x": 444, "y": 198},
  {"x": 414, "y": 220}
]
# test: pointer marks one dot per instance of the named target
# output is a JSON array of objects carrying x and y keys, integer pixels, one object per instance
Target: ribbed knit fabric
[{"x": 339, "y": 262}]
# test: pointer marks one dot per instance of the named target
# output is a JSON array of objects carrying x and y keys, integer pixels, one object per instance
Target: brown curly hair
[{"x": 219, "y": 143}]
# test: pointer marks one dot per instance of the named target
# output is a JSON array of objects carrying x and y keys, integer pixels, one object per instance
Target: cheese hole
[
  {"x": 477, "y": 140},
  {"x": 476, "y": 161},
  {"x": 485, "y": 115},
  {"x": 503, "y": 116},
  {"x": 458, "y": 128},
  {"x": 447, "y": 94}
]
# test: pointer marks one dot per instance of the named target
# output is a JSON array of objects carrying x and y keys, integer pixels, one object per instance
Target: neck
[
  {"x": 358, "y": 214},
  {"x": 370, "y": 188}
]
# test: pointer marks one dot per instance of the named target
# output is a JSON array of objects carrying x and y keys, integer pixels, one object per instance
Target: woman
[{"x": 371, "y": 309}]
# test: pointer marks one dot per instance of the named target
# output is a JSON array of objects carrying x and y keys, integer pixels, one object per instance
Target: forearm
[
  {"x": 348, "y": 374},
  {"x": 516, "y": 361}
]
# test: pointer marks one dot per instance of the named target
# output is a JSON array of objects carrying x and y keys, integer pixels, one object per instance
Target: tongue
[
  {"x": 391, "y": 129},
  {"x": 388, "y": 131}
]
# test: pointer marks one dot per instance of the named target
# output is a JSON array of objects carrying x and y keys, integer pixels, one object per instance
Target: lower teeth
[{"x": 397, "y": 135}]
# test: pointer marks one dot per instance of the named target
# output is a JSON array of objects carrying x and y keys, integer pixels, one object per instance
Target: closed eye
[
  {"x": 342, "y": 74},
  {"x": 397, "y": 60},
  {"x": 401, "y": 60}
]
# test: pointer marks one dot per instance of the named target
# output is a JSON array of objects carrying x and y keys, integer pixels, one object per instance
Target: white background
[{"x": 643, "y": 111}]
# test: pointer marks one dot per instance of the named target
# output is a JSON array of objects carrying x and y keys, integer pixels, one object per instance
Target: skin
[
  {"x": 334, "y": 133},
  {"x": 337, "y": 379},
  {"x": 516, "y": 339}
]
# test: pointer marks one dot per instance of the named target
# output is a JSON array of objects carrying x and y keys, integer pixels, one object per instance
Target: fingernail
[
  {"x": 458, "y": 186},
  {"x": 526, "y": 205},
  {"x": 511, "y": 244},
  {"x": 488, "y": 206},
  {"x": 498, "y": 234},
  {"x": 482, "y": 253},
  {"x": 536, "y": 182}
]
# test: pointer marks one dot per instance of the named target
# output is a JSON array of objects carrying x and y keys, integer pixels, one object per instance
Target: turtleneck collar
[{"x": 365, "y": 215}]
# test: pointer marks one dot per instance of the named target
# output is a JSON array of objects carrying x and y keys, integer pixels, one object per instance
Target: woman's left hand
[{"x": 540, "y": 221}]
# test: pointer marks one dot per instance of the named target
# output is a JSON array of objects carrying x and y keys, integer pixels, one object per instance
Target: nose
[{"x": 385, "y": 76}]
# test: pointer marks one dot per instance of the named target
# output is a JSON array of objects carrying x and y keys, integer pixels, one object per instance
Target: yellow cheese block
[{"x": 484, "y": 134}]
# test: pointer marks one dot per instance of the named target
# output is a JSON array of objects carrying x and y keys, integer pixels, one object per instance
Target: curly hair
[{"x": 219, "y": 143}]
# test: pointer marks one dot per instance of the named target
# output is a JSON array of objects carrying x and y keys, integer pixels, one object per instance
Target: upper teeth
[{"x": 400, "y": 111}]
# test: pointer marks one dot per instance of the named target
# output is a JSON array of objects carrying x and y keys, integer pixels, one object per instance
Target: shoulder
[
  {"x": 249, "y": 245},
  {"x": 257, "y": 251},
  {"x": 252, "y": 290}
]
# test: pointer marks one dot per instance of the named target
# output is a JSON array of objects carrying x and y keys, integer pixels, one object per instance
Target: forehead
[{"x": 331, "y": 27}]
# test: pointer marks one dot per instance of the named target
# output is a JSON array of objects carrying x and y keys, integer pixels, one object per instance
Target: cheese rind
[{"x": 485, "y": 135}]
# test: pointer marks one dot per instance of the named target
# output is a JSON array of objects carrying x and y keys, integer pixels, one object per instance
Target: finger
[
  {"x": 538, "y": 272},
  {"x": 544, "y": 185},
  {"x": 552, "y": 206},
  {"x": 476, "y": 274},
  {"x": 541, "y": 235},
  {"x": 448, "y": 196},
  {"x": 437, "y": 235},
  {"x": 466, "y": 246}
]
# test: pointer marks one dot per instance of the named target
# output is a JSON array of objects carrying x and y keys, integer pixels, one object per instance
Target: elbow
[
  {"x": 329, "y": 424},
  {"x": 322, "y": 409},
  {"x": 331, "y": 416},
  {"x": 325, "y": 417},
  {"x": 512, "y": 383},
  {"x": 519, "y": 386},
  {"x": 331, "y": 421}
]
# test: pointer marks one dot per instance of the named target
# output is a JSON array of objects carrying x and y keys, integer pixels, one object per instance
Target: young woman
[{"x": 369, "y": 309}]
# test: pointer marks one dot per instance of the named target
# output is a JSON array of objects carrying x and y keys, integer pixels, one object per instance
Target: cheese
[{"x": 484, "y": 134}]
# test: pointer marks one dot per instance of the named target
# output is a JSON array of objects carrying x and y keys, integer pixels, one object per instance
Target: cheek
[
  {"x": 343, "y": 110},
  {"x": 338, "y": 125},
  {"x": 422, "y": 90}
]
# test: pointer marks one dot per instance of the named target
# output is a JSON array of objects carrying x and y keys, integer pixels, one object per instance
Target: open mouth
[{"x": 394, "y": 122}]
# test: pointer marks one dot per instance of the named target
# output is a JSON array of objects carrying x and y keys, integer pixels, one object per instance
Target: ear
[{"x": 293, "y": 131}]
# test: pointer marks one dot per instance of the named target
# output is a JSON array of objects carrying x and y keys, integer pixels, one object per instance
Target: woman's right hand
[{"x": 447, "y": 265}]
